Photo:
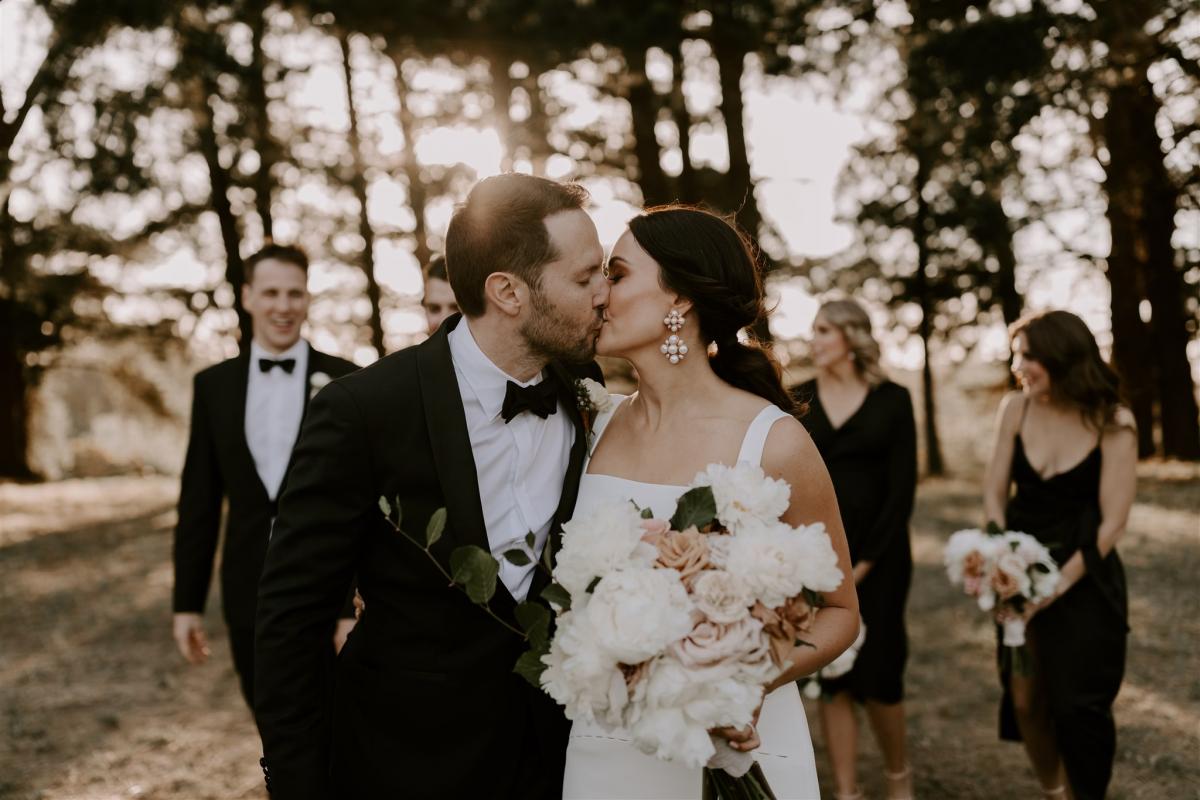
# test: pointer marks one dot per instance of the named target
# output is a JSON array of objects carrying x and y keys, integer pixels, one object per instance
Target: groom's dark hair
[{"x": 502, "y": 228}]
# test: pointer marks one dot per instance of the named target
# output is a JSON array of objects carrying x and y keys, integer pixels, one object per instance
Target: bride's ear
[{"x": 682, "y": 305}]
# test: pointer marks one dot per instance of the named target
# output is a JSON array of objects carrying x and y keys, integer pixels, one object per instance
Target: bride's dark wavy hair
[{"x": 708, "y": 260}]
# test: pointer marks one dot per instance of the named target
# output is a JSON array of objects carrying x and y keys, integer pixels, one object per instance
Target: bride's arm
[{"x": 790, "y": 455}]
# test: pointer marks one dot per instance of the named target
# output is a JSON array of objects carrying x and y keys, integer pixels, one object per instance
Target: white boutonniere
[
  {"x": 593, "y": 399},
  {"x": 316, "y": 382}
]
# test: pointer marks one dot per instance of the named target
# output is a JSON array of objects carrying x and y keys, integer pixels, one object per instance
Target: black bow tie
[
  {"x": 540, "y": 399},
  {"x": 285, "y": 364}
]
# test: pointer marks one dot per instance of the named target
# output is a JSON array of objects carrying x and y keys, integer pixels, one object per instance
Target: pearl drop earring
[{"x": 673, "y": 348}]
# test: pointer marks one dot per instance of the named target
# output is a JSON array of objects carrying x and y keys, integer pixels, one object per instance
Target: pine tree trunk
[
  {"x": 502, "y": 88},
  {"x": 418, "y": 197},
  {"x": 268, "y": 151},
  {"x": 358, "y": 182},
  {"x": 235, "y": 272},
  {"x": 1147, "y": 197},
  {"x": 644, "y": 105},
  {"x": 687, "y": 191},
  {"x": 934, "y": 465},
  {"x": 14, "y": 389}
]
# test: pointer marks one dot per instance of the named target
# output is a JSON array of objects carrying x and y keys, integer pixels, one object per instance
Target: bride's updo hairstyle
[{"x": 707, "y": 260}]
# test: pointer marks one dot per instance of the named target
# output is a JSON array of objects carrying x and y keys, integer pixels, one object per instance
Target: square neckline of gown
[{"x": 587, "y": 473}]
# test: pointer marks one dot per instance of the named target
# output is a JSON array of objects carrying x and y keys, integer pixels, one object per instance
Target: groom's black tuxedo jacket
[
  {"x": 219, "y": 466},
  {"x": 426, "y": 702}
]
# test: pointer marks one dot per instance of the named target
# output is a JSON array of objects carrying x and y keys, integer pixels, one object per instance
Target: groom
[{"x": 480, "y": 419}]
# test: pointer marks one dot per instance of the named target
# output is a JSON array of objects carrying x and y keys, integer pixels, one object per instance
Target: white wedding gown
[{"x": 603, "y": 765}]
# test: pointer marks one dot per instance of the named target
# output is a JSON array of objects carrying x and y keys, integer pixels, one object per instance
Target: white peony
[
  {"x": 580, "y": 676},
  {"x": 635, "y": 613},
  {"x": 777, "y": 562},
  {"x": 960, "y": 545},
  {"x": 605, "y": 538},
  {"x": 719, "y": 597},
  {"x": 669, "y": 735},
  {"x": 744, "y": 494}
]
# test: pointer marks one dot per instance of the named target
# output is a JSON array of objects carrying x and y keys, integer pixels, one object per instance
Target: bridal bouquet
[
  {"x": 668, "y": 629},
  {"x": 1001, "y": 568}
]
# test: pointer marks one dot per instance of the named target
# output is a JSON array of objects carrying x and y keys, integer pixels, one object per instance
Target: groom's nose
[{"x": 600, "y": 298}]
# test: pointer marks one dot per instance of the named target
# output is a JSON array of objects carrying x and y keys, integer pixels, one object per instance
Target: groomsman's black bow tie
[
  {"x": 540, "y": 399},
  {"x": 285, "y": 364}
]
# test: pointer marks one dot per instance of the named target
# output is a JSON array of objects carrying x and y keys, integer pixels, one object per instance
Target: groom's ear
[{"x": 506, "y": 292}]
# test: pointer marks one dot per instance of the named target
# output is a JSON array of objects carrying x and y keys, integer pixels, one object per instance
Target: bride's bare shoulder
[{"x": 790, "y": 452}]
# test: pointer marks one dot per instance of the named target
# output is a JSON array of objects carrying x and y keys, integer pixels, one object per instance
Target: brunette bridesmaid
[{"x": 1070, "y": 449}]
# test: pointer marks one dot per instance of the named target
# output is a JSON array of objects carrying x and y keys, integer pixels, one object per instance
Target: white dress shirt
[
  {"x": 274, "y": 408},
  {"x": 520, "y": 465}
]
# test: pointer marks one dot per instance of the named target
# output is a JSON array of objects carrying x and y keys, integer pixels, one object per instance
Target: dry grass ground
[{"x": 95, "y": 702}]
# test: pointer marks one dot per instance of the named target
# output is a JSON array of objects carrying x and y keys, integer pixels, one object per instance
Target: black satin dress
[
  {"x": 1079, "y": 639},
  {"x": 872, "y": 461}
]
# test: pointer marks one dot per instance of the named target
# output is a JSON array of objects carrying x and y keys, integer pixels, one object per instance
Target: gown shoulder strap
[{"x": 755, "y": 440}]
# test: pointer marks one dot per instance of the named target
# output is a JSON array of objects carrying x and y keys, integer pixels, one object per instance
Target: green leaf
[
  {"x": 517, "y": 557},
  {"x": 385, "y": 507},
  {"x": 535, "y": 621},
  {"x": 591, "y": 587},
  {"x": 530, "y": 667},
  {"x": 993, "y": 529},
  {"x": 398, "y": 510},
  {"x": 437, "y": 524},
  {"x": 474, "y": 569},
  {"x": 557, "y": 595},
  {"x": 696, "y": 507},
  {"x": 546, "y": 558},
  {"x": 530, "y": 541},
  {"x": 647, "y": 513}
]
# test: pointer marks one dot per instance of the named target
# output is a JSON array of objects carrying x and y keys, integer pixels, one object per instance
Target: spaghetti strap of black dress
[{"x": 1080, "y": 638}]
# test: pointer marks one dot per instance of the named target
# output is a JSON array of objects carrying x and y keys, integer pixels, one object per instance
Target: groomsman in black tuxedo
[
  {"x": 246, "y": 415},
  {"x": 480, "y": 419}
]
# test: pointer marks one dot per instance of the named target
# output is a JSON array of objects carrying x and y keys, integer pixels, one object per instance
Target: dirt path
[{"x": 96, "y": 703}]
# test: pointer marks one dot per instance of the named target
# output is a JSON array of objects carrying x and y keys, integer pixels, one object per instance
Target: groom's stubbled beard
[{"x": 555, "y": 335}]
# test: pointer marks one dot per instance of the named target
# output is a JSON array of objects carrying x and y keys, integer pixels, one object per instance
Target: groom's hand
[
  {"x": 344, "y": 626},
  {"x": 190, "y": 638}
]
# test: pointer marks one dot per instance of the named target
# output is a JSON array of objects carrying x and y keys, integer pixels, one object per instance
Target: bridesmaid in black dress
[
  {"x": 1071, "y": 451},
  {"x": 863, "y": 426}
]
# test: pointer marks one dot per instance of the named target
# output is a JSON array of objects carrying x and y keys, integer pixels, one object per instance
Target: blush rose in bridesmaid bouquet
[
  {"x": 669, "y": 629},
  {"x": 1002, "y": 569}
]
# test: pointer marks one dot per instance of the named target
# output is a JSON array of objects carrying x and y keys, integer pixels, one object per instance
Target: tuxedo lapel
[
  {"x": 570, "y": 488},
  {"x": 449, "y": 439},
  {"x": 238, "y": 396}
]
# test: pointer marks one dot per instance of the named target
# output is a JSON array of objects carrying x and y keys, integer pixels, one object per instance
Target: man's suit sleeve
[
  {"x": 309, "y": 566},
  {"x": 198, "y": 527}
]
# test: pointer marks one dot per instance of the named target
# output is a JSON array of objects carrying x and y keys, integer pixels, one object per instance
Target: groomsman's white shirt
[
  {"x": 520, "y": 465},
  {"x": 274, "y": 408}
]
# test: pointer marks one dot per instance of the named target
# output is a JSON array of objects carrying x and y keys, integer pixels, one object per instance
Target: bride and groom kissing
[{"x": 482, "y": 420}]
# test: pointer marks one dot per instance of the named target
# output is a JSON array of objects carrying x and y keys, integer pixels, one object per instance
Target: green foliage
[
  {"x": 475, "y": 570},
  {"x": 696, "y": 507}
]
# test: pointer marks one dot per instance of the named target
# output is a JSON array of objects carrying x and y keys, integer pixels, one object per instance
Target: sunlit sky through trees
[{"x": 800, "y": 139}]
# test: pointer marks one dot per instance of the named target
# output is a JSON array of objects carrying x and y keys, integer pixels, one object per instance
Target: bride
[{"x": 684, "y": 265}]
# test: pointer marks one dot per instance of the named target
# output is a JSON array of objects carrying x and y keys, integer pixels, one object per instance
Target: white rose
[
  {"x": 719, "y": 597},
  {"x": 744, "y": 494},
  {"x": 597, "y": 396},
  {"x": 580, "y": 676},
  {"x": 598, "y": 541},
  {"x": 635, "y": 613}
]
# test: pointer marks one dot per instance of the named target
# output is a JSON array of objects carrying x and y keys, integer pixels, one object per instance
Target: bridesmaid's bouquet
[
  {"x": 1002, "y": 568},
  {"x": 668, "y": 629},
  {"x": 810, "y": 686}
]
